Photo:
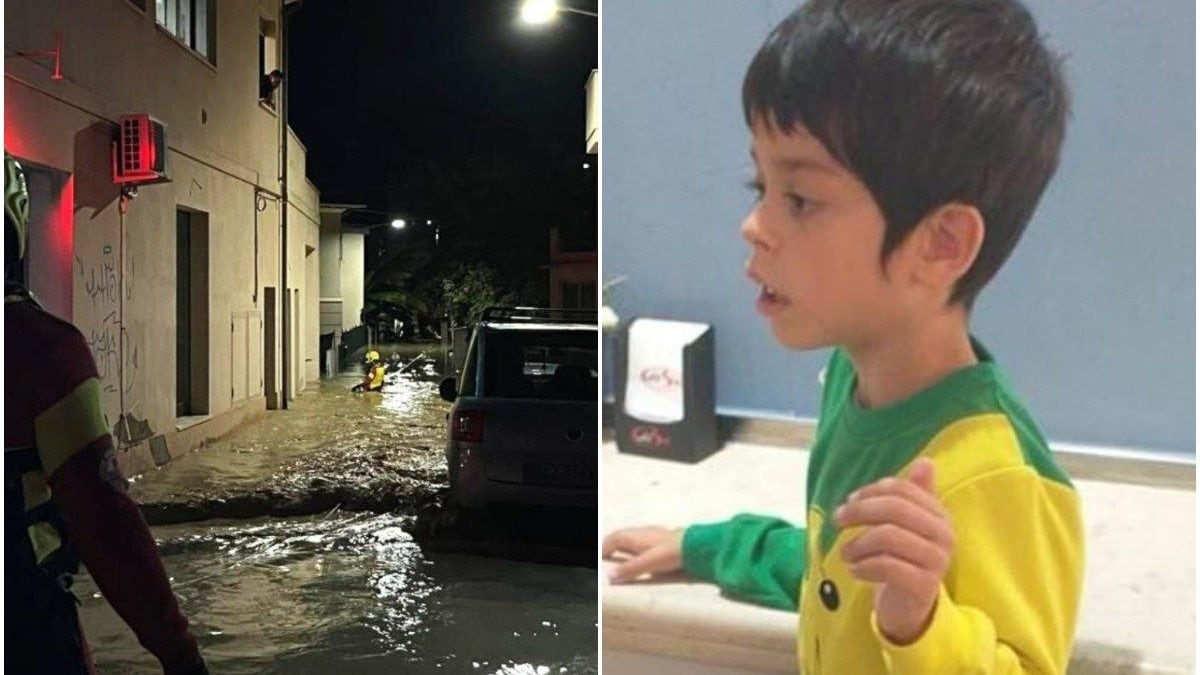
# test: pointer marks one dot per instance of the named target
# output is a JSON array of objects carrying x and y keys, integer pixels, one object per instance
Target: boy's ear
[{"x": 950, "y": 238}]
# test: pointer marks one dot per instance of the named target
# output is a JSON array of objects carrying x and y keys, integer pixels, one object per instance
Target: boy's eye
[{"x": 799, "y": 204}]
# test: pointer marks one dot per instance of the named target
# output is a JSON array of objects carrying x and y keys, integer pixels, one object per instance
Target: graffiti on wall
[
  {"x": 115, "y": 350},
  {"x": 100, "y": 281},
  {"x": 106, "y": 350}
]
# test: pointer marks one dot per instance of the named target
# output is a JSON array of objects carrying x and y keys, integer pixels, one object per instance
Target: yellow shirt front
[{"x": 1009, "y": 601}]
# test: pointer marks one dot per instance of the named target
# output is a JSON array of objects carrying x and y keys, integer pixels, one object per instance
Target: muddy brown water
[{"x": 290, "y": 544}]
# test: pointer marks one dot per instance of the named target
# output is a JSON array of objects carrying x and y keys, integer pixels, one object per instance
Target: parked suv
[{"x": 523, "y": 425}]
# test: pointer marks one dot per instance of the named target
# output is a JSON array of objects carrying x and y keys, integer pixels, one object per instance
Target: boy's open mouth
[{"x": 770, "y": 302}]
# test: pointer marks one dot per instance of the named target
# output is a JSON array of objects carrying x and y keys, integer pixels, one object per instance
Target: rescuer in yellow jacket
[{"x": 372, "y": 375}]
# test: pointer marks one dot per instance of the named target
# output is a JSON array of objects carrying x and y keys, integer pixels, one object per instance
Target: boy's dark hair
[{"x": 925, "y": 101}]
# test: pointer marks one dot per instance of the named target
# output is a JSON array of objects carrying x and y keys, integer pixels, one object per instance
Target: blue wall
[{"x": 1094, "y": 315}]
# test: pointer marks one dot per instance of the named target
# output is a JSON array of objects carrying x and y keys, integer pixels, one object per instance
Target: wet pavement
[{"x": 318, "y": 540}]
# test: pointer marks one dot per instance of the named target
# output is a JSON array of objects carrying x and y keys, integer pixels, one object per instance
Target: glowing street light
[
  {"x": 398, "y": 224},
  {"x": 537, "y": 12}
]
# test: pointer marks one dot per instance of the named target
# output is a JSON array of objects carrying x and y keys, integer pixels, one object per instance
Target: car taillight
[{"x": 467, "y": 426}]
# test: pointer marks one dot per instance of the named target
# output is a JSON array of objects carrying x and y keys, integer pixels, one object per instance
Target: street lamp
[
  {"x": 398, "y": 224},
  {"x": 537, "y": 12}
]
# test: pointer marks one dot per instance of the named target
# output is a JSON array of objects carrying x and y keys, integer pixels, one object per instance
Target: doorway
[
  {"x": 50, "y": 246},
  {"x": 270, "y": 323},
  {"x": 191, "y": 313}
]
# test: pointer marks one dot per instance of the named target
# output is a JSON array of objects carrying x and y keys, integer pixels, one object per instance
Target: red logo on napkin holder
[
  {"x": 650, "y": 436},
  {"x": 660, "y": 378}
]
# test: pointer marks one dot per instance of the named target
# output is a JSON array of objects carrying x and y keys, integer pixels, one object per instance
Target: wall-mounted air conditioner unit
[{"x": 140, "y": 152}]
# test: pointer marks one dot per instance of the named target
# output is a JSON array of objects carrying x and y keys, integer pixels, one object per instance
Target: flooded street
[
  {"x": 364, "y": 451},
  {"x": 315, "y": 540}
]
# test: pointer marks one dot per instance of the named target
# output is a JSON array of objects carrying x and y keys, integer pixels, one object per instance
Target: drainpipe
[{"x": 286, "y": 11}]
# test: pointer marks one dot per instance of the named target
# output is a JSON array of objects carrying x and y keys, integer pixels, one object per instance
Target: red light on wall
[
  {"x": 61, "y": 242},
  {"x": 14, "y": 141},
  {"x": 50, "y": 255}
]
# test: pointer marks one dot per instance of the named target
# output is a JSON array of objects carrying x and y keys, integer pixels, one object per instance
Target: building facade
[
  {"x": 573, "y": 272},
  {"x": 343, "y": 264},
  {"x": 574, "y": 261},
  {"x": 591, "y": 136},
  {"x": 180, "y": 289}
]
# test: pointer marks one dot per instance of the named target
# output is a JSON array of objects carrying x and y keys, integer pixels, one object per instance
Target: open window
[
  {"x": 268, "y": 62},
  {"x": 193, "y": 22}
]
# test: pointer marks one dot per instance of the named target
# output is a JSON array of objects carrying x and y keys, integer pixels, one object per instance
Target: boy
[{"x": 901, "y": 147}]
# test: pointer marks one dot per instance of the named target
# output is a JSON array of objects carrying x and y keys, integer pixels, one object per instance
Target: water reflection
[
  {"x": 344, "y": 588},
  {"x": 401, "y": 397},
  {"x": 354, "y": 593}
]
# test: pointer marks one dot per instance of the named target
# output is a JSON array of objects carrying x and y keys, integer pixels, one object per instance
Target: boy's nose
[{"x": 752, "y": 230}]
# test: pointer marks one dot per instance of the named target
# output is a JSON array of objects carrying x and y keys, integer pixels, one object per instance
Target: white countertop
[{"x": 1139, "y": 604}]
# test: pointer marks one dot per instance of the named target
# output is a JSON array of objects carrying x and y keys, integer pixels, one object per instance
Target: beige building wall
[
  {"x": 331, "y": 253},
  {"x": 223, "y": 162},
  {"x": 353, "y": 267},
  {"x": 342, "y": 266},
  {"x": 304, "y": 224},
  {"x": 592, "y": 121}
]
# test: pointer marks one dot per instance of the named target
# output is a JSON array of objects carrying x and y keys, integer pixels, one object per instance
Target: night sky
[{"x": 449, "y": 110}]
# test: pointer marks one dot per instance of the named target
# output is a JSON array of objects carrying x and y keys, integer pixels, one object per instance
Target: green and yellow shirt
[{"x": 1010, "y": 598}]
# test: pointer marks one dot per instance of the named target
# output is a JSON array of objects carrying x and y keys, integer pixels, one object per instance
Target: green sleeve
[{"x": 754, "y": 558}]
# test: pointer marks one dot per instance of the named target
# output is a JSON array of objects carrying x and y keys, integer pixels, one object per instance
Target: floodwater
[
  {"x": 290, "y": 544},
  {"x": 330, "y": 447}
]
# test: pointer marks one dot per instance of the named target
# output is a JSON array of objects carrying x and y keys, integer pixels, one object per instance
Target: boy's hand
[
  {"x": 905, "y": 549},
  {"x": 650, "y": 550}
]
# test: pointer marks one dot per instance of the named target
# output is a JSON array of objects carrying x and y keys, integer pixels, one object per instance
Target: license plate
[{"x": 560, "y": 474}]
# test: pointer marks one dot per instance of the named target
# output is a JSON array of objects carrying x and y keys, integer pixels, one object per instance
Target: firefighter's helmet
[{"x": 16, "y": 210}]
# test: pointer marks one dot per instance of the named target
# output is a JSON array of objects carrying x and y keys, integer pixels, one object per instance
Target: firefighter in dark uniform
[{"x": 65, "y": 499}]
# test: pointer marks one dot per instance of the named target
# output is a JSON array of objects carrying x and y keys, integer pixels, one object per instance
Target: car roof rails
[{"x": 539, "y": 315}]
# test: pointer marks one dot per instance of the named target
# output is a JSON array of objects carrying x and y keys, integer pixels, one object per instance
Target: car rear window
[{"x": 541, "y": 364}]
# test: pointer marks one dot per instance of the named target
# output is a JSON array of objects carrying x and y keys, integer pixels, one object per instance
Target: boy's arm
[
  {"x": 757, "y": 558},
  {"x": 1009, "y": 602},
  {"x": 754, "y": 558}
]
